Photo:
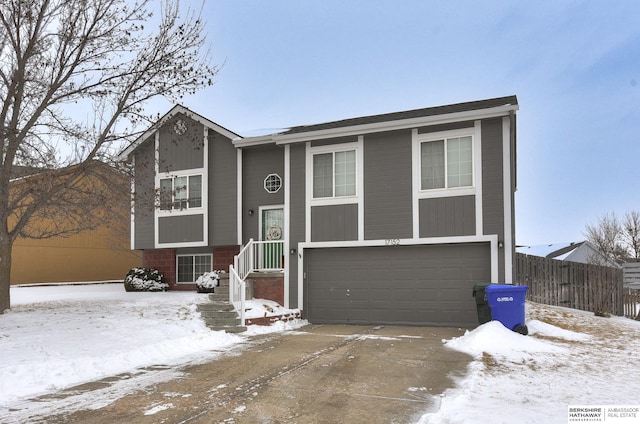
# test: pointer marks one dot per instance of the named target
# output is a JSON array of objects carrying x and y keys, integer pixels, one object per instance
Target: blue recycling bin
[{"x": 507, "y": 305}]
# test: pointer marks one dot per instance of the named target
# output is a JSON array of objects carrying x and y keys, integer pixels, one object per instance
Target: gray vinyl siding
[
  {"x": 180, "y": 229},
  {"x": 222, "y": 193},
  {"x": 144, "y": 195},
  {"x": 387, "y": 185},
  {"x": 297, "y": 216},
  {"x": 492, "y": 183},
  {"x": 448, "y": 216},
  {"x": 180, "y": 152},
  {"x": 257, "y": 163},
  {"x": 446, "y": 127},
  {"x": 332, "y": 141},
  {"x": 334, "y": 223}
]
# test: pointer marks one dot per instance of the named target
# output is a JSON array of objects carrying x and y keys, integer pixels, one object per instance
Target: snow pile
[
  {"x": 569, "y": 358},
  {"x": 55, "y": 337},
  {"x": 258, "y": 308},
  {"x": 497, "y": 340}
]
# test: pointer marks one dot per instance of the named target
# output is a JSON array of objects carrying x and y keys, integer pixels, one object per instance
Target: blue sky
[{"x": 574, "y": 65}]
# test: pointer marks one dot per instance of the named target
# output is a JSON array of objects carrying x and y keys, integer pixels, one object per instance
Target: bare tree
[
  {"x": 631, "y": 233},
  {"x": 605, "y": 234},
  {"x": 617, "y": 240},
  {"x": 74, "y": 79}
]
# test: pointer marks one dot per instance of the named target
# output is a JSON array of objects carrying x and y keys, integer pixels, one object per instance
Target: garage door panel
[{"x": 422, "y": 285}]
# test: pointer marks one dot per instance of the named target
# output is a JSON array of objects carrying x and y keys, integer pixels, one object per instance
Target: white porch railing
[
  {"x": 237, "y": 292},
  {"x": 255, "y": 256}
]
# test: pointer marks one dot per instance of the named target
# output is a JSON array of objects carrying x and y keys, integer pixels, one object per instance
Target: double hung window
[
  {"x": 446, "y": 163},
  {"x": 181, "y": 192},
  {"x": 334, "y": 174}
]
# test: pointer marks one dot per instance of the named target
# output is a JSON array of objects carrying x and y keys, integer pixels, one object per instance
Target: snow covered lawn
[
  {"x": 56, "y": 337},
  {"x": 569, "y": 358}
]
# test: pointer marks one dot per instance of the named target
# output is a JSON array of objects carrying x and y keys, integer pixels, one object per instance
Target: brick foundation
[
  {"x": 271, "y": 320},
  {"x": 164, "y": 260},
  {"x": 268, "y": 286},
  {"x": 223, "y": 257}
]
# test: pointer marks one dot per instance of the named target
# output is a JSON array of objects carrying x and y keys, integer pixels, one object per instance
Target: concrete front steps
[{"x": 218, "y": 314}]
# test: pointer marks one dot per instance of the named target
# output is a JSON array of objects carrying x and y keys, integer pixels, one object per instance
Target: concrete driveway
[{"x": 318, "y": 374}]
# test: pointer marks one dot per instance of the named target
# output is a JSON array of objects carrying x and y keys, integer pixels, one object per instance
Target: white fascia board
[
  {"x": 174, "y": 111},
  {"x": 254, "y": 141},
  {"x": 389, "y": 125}
]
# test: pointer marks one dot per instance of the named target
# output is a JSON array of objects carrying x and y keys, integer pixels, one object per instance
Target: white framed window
[
  {"x": 272, "y": 183},
  {"x": 190, "y": 267},
  {"x": 180, "y": 192},
  {"x": 446, "y": 163},
  {"x": 334, "y": 174}
]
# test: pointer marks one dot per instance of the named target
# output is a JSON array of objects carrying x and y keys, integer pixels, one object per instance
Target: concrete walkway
[{"x": 318, "y": 374}]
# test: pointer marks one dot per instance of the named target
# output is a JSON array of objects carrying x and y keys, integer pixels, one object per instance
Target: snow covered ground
[
  {"x": 570, "y": 358},
  {"x": 57, "y": 337}
]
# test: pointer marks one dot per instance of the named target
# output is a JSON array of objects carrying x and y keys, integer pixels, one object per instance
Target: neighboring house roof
[
  {"x": 583, "y": 252},
  {"x": 397, "y": 120},
  {"x": 174, "y": 111},
  {"x": 19, "y": 171}
]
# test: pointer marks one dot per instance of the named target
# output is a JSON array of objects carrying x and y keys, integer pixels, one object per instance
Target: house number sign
[{"x": 392, "y": 242}]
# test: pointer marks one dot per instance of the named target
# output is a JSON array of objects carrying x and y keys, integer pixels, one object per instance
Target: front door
[{"x": 273, "y": 230}]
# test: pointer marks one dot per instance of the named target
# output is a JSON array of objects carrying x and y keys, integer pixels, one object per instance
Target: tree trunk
[{"x": 5, "y": 269}]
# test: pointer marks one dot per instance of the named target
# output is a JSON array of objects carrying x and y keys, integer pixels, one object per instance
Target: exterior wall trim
[
  {"x": 477, "y": 126},
  {"x": 508, "y": 198},
  {"x": 491, "y": 239},
  {"x": 239, "y": 183},
  {"x": 287, "y": 221}
]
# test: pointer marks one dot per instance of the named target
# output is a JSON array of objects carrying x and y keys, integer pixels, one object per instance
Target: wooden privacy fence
[
  {"x": 632, "y": 303},
  {"x": 574, "y": 285}
]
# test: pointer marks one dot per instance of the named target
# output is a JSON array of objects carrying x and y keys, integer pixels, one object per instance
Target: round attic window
[{"x": 272, "y": 183}]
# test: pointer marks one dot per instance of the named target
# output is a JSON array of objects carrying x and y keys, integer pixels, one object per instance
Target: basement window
[{"x": 190, "y": 267}]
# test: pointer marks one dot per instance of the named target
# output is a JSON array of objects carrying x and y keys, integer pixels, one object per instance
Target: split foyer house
[{"x": 383, "y": 219}]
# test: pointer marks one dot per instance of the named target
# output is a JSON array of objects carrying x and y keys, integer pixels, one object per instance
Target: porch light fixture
[
  {"x": 293, "y": 251},
  {"x": 500, "y": 245},
  {"x": 250, "y": 212}
]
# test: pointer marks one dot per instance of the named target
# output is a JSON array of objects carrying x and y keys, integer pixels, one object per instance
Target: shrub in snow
[
  {"x": 207, "y": 282},
  {"x": 144, "y": 279}
]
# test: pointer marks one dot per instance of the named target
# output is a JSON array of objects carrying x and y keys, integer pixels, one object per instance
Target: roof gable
[{"x": 177, "y": 109}]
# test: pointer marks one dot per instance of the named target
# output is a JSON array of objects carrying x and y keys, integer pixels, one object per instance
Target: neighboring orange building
[
  {"x": 101, "y": 254},
  {"x": 88, "y": 256}
]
